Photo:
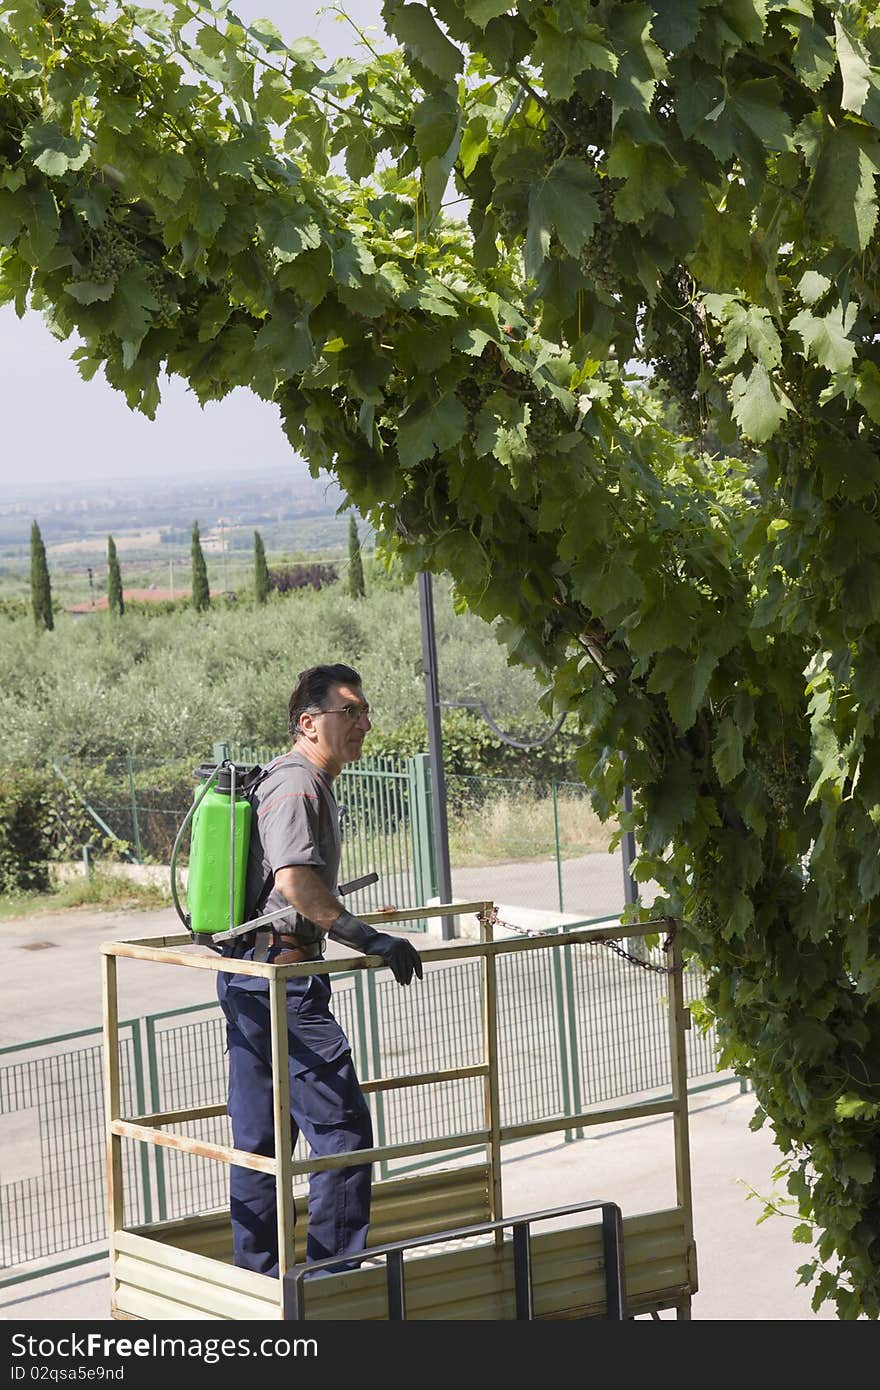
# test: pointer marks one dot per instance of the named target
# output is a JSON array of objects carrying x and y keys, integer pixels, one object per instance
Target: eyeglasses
[{"x": 352, "y": 712}]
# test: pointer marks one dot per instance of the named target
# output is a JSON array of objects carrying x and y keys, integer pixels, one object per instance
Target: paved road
[{"x": 591, "y": 886}]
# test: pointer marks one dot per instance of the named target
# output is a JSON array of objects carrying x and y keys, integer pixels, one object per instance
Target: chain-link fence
[{"x": 131, "y": 808}]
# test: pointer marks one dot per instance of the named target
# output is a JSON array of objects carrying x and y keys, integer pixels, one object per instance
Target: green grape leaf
[
  {"x": 859, "y": 1165},
  {"x": 13, "y": 215},
  {"x": 474, "y": 144},
  {"x": 288, "y": 342},
  {"x": 133, "y": 303},
  {"x": 641, "y": 63},
  {"x": 418, "y": 30},
  {"x": 360, "y": 156},
  {"x": 289, "y": 229},
  {"x": 673, "y": 802},
  {"x": 868, "y": 390},
  {"x": 676, "y": 23},
  {"x": 424, "y": 428},
  {"x": 745, "y": 328},
  {"x": 811, "y": 1040},
  {"x": 727, "y": 751},
  {"x": 759, "y": 404},
  {"x": 855, "y": 69},
  {"x": 53, "y": 151},
  {"x": 849, "y": 1107},
  {"x": 435, "y": 122},
  {"x": 683, "y": 679},
  {"x": 814, "y": 52},
  {"x": 759, "y": 105},
  {"x": 812, "y": 286},
  {"x": 843, "y": 195},
  {"x": 746, "y": 18},
  {"x": 564, "y": 200},
  {"x": 481, "y": 11},
  {"x": 826, "y": 339},
  {"x": 563, "y": 55},
  {"x": 90, "y": 291},
  {"x": 850, "y": 467},
  {"x": 648, "y": 172}
]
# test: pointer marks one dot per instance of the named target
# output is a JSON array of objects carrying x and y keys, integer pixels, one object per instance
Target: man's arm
[{"x": 304, "y": 890}]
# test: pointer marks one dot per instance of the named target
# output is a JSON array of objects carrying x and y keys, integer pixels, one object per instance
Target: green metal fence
[
  {"x": 385, "y": 806},
  {"x": 603, "y": 1037},
  {"x": 52, "y": 1191},
  {"x": 386, "y": 824}
]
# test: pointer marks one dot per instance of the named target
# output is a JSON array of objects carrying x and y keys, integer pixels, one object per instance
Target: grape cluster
[
  {"x": 168, "y": 307},
  {"x": 677, "y": 373},
  {"x": 112, "y": 251},
  {"x": 411, "y": 520},
  {"x": 783, "y": 781},
  {"x": 485, "y": 376},
  {"x": 703, "y": 919},
  {"x": 583, "y": 127},
  {"x": 684, "y": 353},
  {"x": 547, "y": 422},
  {"x": 510, "y": 219},
  {"x": 599, "y": 255},
  {"x": 488, "y": 374},
  {"x": 794, "y": 441},
  {"x": 12, "y": 119}
]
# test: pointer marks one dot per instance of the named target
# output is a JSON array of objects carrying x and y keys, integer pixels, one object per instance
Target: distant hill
[{"x": 70, "y": 512}]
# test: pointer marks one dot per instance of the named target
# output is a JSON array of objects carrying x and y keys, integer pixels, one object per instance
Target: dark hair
[{"x": 310, "y": 691}]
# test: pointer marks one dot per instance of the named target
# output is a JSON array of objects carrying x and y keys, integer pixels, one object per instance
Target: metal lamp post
[{"x": 435, "y": 749}]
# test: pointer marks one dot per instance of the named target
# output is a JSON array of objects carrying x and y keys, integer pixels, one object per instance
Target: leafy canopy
[{"x": 682, "y": 189}]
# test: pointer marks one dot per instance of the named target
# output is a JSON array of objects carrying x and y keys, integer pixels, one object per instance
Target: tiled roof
[{"x": 135, "y": 596}]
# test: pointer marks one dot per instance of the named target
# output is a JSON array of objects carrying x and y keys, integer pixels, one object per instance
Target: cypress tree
[
  {"x": 356, "y": 587},
  {"x": 201, "y": 594},
  {"x": 41, "y": 589},
  {"x": 114, "y": 580},
  {"x": 261, "y": 570}
]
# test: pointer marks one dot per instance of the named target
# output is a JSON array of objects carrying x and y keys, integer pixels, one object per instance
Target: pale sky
[{"x": 55, "y": 427}]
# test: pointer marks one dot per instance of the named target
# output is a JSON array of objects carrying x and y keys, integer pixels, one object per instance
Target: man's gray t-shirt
[{"x": 295, "y": 822}]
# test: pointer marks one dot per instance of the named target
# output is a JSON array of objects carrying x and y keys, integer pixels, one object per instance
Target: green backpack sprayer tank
[{"x": 220, "y": 816}]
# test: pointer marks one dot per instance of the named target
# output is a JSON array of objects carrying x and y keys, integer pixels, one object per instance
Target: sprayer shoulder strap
[{"x": 255, "y": 908}]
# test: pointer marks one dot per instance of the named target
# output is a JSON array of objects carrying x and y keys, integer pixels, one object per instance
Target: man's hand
[{"x": 402, "y": 957}]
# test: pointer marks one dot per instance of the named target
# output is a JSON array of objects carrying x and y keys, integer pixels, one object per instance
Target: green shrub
[
  {"x": 14, "y": 608},
  {"x": 38, "y": 822},
  {"x": 167, "y": 686}
]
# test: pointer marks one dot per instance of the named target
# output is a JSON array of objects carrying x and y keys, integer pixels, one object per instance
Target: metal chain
[{"x": 492, "y": 919}]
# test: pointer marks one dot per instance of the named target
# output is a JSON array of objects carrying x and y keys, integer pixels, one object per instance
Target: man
[{"x": 294, "y": 858}]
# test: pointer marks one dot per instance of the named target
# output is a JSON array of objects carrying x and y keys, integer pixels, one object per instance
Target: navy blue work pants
[{"x": 327, "y": 1106}]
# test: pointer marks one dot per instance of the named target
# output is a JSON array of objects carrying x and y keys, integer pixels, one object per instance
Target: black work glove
[{"x": 401, "y": 956}]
